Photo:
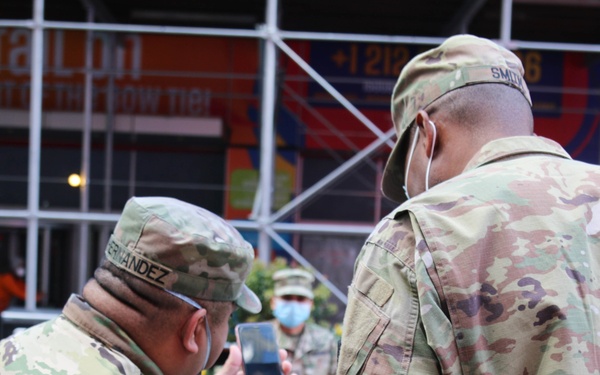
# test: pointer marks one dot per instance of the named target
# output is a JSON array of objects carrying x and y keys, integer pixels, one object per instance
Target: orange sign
[{"x": 153, "y": 74}]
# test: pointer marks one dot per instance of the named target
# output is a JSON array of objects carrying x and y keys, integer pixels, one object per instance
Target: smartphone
[{"x": 260, "y": 353}]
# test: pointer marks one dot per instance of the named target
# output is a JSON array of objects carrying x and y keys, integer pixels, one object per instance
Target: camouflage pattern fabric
[
  {"x": 184, "y": 248},
  {"x": 79, "y": 341},
  {"x": 314, "y": 352},
  {"x": 496, "y": 271},
  {"x": 294, "y": 282}
]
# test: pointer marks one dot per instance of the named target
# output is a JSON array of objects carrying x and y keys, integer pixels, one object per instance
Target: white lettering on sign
[
  {"x": 19, "y": 55},
  {"x": 64, "y": 96},
  {"x": 64, "y": 91},
  {"x": 17, "y": 44}
]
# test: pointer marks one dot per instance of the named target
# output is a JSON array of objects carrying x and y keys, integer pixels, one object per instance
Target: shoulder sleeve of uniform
[
  {"x": 395, "y": 235},
  {"x": 381, "y": 318}
]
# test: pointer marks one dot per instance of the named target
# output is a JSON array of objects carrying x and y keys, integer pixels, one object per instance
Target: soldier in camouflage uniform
[
  {"x": 493, "y": 265},
  {"x": 159, "y": 303},
  {"x": 311, "y": 348}
]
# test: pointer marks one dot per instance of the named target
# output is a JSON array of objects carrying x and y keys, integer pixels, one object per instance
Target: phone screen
[{"x": 260, "y": 352}]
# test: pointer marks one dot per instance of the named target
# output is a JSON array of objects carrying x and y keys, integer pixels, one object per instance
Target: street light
[{"x": 74, "y": 180}]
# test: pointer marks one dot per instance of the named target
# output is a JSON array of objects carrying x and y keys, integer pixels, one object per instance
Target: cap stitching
[{"x": 118, "y": 253}]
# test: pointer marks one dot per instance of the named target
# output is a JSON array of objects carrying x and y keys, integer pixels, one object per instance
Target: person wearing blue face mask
[{"x": 311, "y": 348}]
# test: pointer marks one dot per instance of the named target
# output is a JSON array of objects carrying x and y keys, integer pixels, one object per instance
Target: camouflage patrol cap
[
  {"x": 294, "y": 282},
  {"x": 459, "y": 61},
  {"x": 185, "y": 249}
]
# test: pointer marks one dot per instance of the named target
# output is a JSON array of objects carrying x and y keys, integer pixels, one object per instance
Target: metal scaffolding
[{"x": 266, "y": 222}]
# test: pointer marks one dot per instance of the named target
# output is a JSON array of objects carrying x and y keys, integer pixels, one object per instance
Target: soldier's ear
[
  {"x": 428, "y": 129},
  {"x": 192, "y": 331}
]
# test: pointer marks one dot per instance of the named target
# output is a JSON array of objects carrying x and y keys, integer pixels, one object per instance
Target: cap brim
[
  {"x": 249, "y": 301},
  {"x": 392, "y": 182}
]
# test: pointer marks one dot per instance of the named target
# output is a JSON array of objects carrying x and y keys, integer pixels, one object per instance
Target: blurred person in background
[
  {"x": 312, "y": 349},
  {"x": 12, "y": 284}
]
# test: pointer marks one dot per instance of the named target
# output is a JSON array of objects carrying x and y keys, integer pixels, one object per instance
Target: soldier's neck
[{"x": 292, "y": 331}]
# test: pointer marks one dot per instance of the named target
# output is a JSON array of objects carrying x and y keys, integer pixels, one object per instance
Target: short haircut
[{"x": 477, "y": 105}]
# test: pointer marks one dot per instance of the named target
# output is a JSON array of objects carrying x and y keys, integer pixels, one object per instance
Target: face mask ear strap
[
  {"x": 410, "y": 155},
  {"x": 431, "y": 157},
  {"x": 208, "y": 339}
]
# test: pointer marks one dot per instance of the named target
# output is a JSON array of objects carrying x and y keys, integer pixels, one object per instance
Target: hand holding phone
[{"x": 260, "y": 353}]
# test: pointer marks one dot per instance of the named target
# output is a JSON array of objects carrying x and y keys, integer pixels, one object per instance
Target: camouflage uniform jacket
[
  {"x": 495, "y": 271},
  {"x": 79, "y": 341},
  {"x": 314, "y": 353}
]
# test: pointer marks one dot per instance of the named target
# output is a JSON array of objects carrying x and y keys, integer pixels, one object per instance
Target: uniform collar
[
  {"x": 98, "y": 326},
  {"x": 505, "y": 148}
]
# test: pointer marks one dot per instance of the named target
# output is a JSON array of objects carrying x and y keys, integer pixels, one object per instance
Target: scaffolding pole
[
  {"x": 267, "y": 134},
  {"x": 35, "y": 136},
  {"x": 84, "y": 227}
]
